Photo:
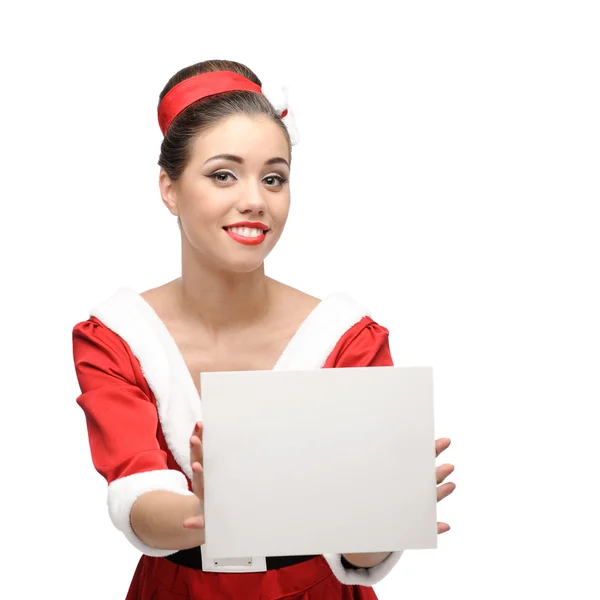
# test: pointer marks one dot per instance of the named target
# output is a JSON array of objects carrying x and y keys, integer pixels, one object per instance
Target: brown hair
[{"x": 176, "y": 146}]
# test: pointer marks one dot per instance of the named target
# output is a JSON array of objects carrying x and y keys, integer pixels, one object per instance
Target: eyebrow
[{"x": 240, "y": 160}]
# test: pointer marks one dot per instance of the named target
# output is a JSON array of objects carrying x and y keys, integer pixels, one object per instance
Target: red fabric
[
  {"x": 125, "y": 437},
  {"x": 200, "y": 86},
  {"x": 123, "y": 428},
  {"x": 364, "y": 345},
  {"x": 160, "y": 579}
]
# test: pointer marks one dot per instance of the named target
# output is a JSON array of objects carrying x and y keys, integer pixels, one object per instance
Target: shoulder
[
  {"x": 336, "y": 331},
  {"x": 364, "y": 344},
  {"x": 99, "y": 326},
  {"x": 337, "y": 307},
  {"x": 162, "y": 298},
  {"x": 338, "y": 314},
  {"x": 95, "y": 344},
  {"x": 291, "y": 299},
  {"x": 93, "y": 331},
  {"x": 98, "y": 342},
  {"x": 123, "y": 336}
]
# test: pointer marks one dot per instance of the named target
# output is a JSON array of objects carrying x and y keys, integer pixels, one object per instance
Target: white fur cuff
[
  {"x": 123, "y": 492},
  {"x": 367, "y": 577}
]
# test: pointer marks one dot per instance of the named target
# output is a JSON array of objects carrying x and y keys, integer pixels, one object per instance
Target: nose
[{"x": 252, "y": 200}]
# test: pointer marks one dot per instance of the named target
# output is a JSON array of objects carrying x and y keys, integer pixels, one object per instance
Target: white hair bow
[{"x": 278, "y": 97}]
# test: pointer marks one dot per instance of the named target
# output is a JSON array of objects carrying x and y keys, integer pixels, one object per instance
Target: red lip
[
  {"x": 251, "y": 224},
  {"x": 247, "y": 241}
]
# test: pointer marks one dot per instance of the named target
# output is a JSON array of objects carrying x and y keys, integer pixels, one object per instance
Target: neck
[{"x": 221, "y": 300}]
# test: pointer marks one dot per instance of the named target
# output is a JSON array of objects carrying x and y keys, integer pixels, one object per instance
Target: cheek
[
  {"x": 280, "y": 211},
  {"x": 204, "y": 206}
]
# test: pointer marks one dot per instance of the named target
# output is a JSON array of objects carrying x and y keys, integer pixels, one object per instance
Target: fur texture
[{"x": 123, "y": 492}]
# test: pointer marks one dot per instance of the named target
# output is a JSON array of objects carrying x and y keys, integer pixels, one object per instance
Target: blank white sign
[{"x": 320, "y": 461}]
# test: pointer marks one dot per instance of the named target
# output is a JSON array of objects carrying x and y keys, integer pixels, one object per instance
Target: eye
[
  {"x": 275, "y": 180},
  {"x": 222, "y": 176}
]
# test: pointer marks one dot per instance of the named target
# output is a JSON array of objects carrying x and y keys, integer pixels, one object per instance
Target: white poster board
[{"x": 320, "y": 461}]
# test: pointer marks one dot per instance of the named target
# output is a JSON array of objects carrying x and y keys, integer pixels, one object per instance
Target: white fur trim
[
  {"x": 123, "y": 492},
  {"x": 133, "y": 319},
  {"x": 367, "y": 576},
  {"x": 320, "y": 332}
]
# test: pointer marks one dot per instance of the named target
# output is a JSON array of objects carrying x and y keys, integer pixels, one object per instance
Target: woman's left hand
[{"x": 441, "y": 473}]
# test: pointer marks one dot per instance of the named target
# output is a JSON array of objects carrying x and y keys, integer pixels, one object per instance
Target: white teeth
[{"x": 246, "y": 231}]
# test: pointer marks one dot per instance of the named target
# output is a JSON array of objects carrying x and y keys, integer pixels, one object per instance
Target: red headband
[{"x": 200, "y": 86}]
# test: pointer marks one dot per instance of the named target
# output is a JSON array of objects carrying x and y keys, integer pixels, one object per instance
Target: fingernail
[{"x": 197, "y": 428}]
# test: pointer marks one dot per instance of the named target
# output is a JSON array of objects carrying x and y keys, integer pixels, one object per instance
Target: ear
[{"x": 168, "y": 192}]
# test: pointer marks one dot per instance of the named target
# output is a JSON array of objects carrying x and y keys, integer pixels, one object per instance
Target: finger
[
  {"x": 445, "y": 490},
  {"x": 443, "y": 527},
  {"x": 194, "y": 522},
  {"x": 196, "y": 450},
  {"x": 441, "y": 445},
  {"x": 443, "y": 471},
  {"x": 198, "y": 480}
]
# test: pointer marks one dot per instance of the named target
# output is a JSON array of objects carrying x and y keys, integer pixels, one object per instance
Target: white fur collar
[{"x": 134, "y": 320}]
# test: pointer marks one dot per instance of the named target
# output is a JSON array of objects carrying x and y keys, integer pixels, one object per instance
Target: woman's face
[{"x": 233, "y": 197}]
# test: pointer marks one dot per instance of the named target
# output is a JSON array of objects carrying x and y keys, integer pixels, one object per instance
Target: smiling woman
[
  {"x": 225, "y": 174},
  {"x": 240, "y": 168}
]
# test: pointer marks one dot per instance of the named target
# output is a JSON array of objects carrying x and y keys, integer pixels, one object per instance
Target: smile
[{"x": 249, "y": 234}]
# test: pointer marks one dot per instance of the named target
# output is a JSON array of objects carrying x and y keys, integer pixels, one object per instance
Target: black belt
[{"x": 192, "y": 558}]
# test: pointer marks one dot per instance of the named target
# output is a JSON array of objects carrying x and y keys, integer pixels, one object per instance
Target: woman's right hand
[{"x": 196, "y": 461}]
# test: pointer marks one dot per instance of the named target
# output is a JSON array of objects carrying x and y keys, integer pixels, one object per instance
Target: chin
[
  {"x": 244, "y": 260},
  {"x": 243, "y": 266}
]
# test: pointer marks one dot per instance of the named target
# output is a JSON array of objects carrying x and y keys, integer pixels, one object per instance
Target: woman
[{"x": 225, "y": 167}]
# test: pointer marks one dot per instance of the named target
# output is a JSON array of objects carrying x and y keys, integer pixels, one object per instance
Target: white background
[{"x": 447, "y": 177}]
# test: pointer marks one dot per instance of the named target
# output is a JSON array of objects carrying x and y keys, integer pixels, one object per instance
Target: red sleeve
[
  {"x": 122, "y": 421},
  {"x": 366, "y": 344}
]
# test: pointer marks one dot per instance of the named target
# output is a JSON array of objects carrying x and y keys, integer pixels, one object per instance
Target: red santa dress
[{"x": 141, "y": 404}]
